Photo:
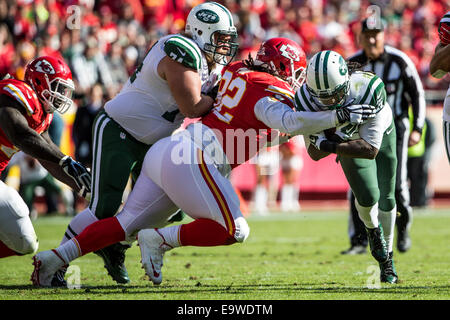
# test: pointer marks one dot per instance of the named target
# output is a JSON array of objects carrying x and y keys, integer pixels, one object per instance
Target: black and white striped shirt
[{"x": 402, "y": 83}]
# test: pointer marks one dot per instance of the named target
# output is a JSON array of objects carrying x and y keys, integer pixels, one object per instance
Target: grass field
[{"x": 286, "y": 257}]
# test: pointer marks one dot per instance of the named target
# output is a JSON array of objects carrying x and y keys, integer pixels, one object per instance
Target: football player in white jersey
[
  {"x": 367, "y": 152},
  {"x": 169, "y": 85},
  {"x": 439, "y": 67}
]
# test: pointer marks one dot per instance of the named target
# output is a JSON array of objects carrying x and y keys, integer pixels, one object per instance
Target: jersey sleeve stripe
[
  {"x": 368, "y": 89},
  {"x": 372, "y": 89},
  {"x": 281, "y": 91},
  {"x": 377, "y": 96},
  {"x": 16, "y": 93},
  {"x": 189, "y": 47},
  {"x": 299, "y": 104},
  {"x": 306, "y": 104}
]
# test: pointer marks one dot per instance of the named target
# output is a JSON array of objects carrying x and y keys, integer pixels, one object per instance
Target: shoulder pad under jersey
[{"x": 184, "y": 51}]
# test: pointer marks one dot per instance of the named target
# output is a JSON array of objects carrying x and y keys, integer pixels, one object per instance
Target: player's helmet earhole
[
  {"x": 38, "y": 82},
  {"x": 282, "y": 66},
  {"x": 199, "y": 32}
]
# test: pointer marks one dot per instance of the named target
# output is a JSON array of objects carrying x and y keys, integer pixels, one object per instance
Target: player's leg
[
  {"x": 356, "y": 229},
  {"x": 361, "y": 175},
  {"x": 114, "y": 154},
  {"x": 387, "y": 168},
  {"x": 17, "y": 235},
  {"x": 405, "y": 218},
  {"x": 205, "y": 195},
  {"x": 147, "y": 206}
]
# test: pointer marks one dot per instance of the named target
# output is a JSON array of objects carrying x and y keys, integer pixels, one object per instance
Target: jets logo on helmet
[
  {"x": 289, "y": 52},
  {"x": 207, "y": 16},
  {"x": 45, "y": 67},
  {"x": 342, "y": 66},
  {"x": 211, "y": 27}
]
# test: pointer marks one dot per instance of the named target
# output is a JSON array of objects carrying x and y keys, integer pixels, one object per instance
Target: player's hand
[
  {"x": 316, "y": 139},
  {"x": 356, "y": 113},
  {"x": 77, "y": 172}
]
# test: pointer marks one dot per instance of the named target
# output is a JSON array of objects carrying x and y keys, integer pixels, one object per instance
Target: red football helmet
[
  {"x": 51, "y": 79},
  {"x": 444, "y": 32},
  {"x": 284, "y": 58}
]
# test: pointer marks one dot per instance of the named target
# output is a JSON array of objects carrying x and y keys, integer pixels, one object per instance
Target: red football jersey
[
  {"x": 233, "y": 118},
  {"x": 37, "y": 119}
]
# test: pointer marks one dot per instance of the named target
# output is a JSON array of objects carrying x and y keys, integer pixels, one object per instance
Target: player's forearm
[
  {"x": 316, "y": 154},
  {"x": 440, "y": 63},
  {"x": 198, "y": 109},
  {"x": 356, "y": 149}
]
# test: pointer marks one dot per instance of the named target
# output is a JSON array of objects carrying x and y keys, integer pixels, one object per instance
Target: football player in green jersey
[
  {"x": 366, "y": 152},
  {"x": 174, "y": 81}
]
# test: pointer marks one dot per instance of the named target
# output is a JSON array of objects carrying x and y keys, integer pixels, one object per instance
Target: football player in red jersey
[
  {"x": 189, "y": 170},
  {"x": 26, "y": 111}
]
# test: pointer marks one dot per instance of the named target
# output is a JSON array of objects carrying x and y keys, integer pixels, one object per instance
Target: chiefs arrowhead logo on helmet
[{"x": 45, "y": 67}]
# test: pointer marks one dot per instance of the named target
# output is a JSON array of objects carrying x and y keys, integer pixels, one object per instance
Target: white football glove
[{"x": 356, "y": 113}]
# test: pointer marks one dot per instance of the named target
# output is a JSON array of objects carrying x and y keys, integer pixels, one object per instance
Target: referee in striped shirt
[{"x": 404, "y": 89}]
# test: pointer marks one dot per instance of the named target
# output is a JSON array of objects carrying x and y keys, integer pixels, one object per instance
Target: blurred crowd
[{"x": 104, "y": 40}]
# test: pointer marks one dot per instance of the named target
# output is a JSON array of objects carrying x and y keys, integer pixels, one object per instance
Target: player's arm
[
  {"x": 55, "y": 169},
  {"x": 179, "y": 69},
  {"x": 440, "y": 63},
  {"x": 358, "y": 148},
  {"x": 16, "y": 128}
]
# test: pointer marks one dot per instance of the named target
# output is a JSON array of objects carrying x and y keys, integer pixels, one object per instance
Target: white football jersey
[{"x": 145, "y": 107}]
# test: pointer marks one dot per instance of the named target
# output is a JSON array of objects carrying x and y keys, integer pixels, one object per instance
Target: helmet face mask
[
  {"x": 51, "y": 79},
  {"x": 211, "y": 27},
  {"x": 327, "y": 79},
  {"x": 283, "y": 58}
]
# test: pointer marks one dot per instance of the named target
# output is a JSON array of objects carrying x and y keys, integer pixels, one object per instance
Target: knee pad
[{"x": 242, "y": 229}]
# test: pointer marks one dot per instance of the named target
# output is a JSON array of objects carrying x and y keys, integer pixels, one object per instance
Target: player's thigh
[
  {"x": 361, "y": 175},
  {"x": 205, "y": 193},
  {"x": 147, "y": 206},
  {"x": 114, "y": 155},
  {"x": 195, "y": 185},
  {"x": 386, "y": 171},
  {"x": 16, "y": 229}
]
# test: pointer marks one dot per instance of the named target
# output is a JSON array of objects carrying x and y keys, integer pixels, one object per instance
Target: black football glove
[{"x": 79, "y": 173}]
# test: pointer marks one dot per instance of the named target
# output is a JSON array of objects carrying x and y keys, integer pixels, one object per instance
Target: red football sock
[
  {"x": 205, "y": 233},
  {"x": 6, "y": 252},
  {"x": 100, "y": 234}
]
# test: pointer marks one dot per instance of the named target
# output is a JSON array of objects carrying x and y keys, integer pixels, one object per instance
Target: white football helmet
[
  {"x": 327, "y": 79},
  {"x": 211, "y": 26}
]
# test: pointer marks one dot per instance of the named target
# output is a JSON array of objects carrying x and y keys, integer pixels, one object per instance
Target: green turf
[{"x": 286, "y": 257}]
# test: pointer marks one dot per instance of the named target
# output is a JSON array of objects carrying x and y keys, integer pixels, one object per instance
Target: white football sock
[
  {"x": 171, "y": 235},
  {"x": 78, "y": 224},
  {"x": 387, "y": 220},
  {"x": 368, "y": 215},
  {"x": 69, "y": 250}
]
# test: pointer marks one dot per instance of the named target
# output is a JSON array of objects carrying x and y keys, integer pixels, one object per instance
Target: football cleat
[
  {"x": 388, "y": 273},
  {"x": 378, "y": 246},
  {"x": 46, "y": 264},
  {"x": 355, "y": 249},
  {"x": 153, "y": 246},
  {"x": 114, "y": 257}
]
